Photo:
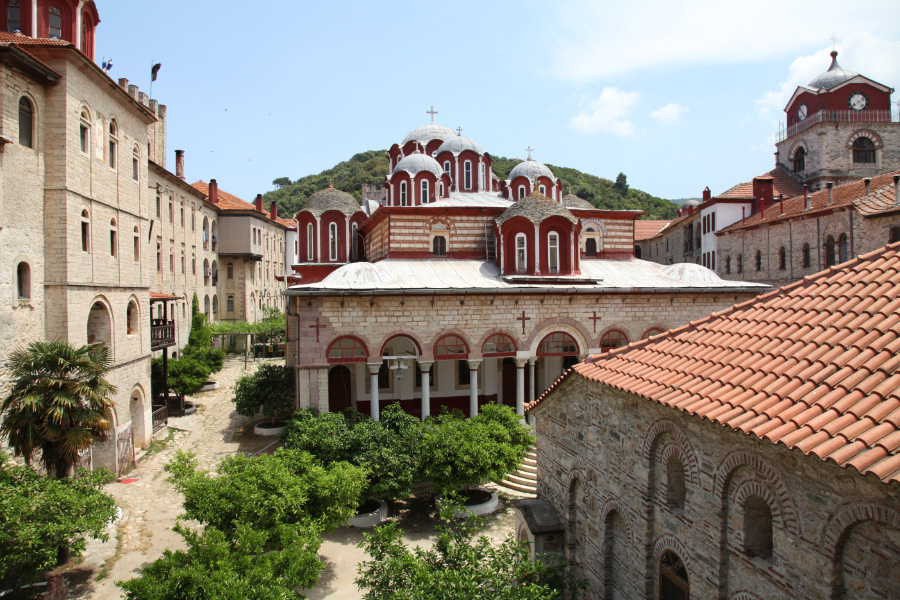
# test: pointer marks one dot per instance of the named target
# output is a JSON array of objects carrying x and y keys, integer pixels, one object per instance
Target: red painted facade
[
  {"x": 90, "y": 18},
  {"x": 837, "y": 99}
]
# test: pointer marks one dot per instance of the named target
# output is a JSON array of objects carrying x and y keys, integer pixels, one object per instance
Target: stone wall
[{"x": 829, "y": 525}]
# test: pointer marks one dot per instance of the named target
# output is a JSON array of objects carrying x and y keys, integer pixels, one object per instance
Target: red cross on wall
[
  {"x": 317, "y": 327},
  {"x": 523, "y": 318},
  {"x": 595, "y": 318}
]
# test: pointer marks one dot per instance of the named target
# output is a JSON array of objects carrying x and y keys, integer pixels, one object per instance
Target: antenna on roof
[{"x": 431, "y": 112}]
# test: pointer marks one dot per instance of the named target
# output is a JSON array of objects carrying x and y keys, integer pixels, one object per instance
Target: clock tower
[{"x": 839, "y": 127}]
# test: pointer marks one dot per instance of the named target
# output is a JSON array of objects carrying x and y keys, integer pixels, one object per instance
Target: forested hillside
[{"x": 371, "y": 167}]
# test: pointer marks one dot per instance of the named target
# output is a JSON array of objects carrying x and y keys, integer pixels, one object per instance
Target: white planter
[
  {"x": 210, "y": 386},
  {"x": 371, "y": 519},
  {"x": 265, "y": 428},
  {"x": 477, "y": 510}
]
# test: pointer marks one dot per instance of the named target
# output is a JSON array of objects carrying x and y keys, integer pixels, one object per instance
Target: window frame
[
  {"x": 521, "y": 252},
  {"x": 423, "y": 192},
  {"x": 403, "y": 193},
  {"x": 84, "y": 132},
  {"x": 26, "y": 112},
  {"x": 310, "y": 241},
  {"x": 332, "y": 241},
  {"x": 553, "y": 253},
  {"x": 467, "y": 175},
  {"x": 137, "y": 244},
  {"x": 863, "y": 154},
  {"x": 50, "y": 15},
  {"x": 439, "y": 248},
  {"x": 23, "y": 281},
  {"x": 113, "y": 239},
  {"x": 113, "y": 144},
  {"x": 85, "y": 231}
]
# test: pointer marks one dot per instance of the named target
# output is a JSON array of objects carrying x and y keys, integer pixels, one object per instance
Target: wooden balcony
[{"x": 162, "y": 334}]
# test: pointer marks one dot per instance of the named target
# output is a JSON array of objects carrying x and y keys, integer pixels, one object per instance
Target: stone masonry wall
[{"x": 829, "y": 524}]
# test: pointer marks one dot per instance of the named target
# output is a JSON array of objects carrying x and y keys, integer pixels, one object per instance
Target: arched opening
[
  {"x": 830, "y": 255},
  {"x": 843, "y": 248},
  {"x": 613, "y": 339},
  {"x": 757, "y": 528},
  {"x": 806, "y": 256},
  {"x": 675, "y": 486},
  {"x": 346, "y": 350},
  {"x": 673, "y": 578},
  {"x": 54, "y": 23},
  {"x": 439, "y": 245},
  {"x": 214, "y": 235},
  {"x": 215, "y": 307},
  {"x": 403, "y": 200},
  {"x": 205, "y": 228},
  {"x": 84, "y": 132},
  {"x": 521, "y": 253},
  {"x": 864, "y": 573},
  {"x": 450, "y": 347},
  {"x": 637, "y": 251},
  {"x": 556, "y": 353},
  {"x": 13, "y": 16},
  {"x": 85, "y": 231},
  {"x": 137, "y": 417},
  {"x": 650, "y": 332},
  {"x": 553, "y": 252},
  {"x": 26, "y": 120},
  {"x": 863, "y": 151},
  {"x": 23, "y": 281},
  {"x": 136, "y": 163},
  {"x": 99, "y": 326},
  {"x": 113, "y": 145},
  {"x": 132, "y": 319},
  {"x": 614, "y": 544},
  {"x": 214, "y": 273},
  {"x": 800, "y": 159},
  {"x": 340, "y": 385},
  {"x": 113, "y": 238},
  {"x": 206, "y": 271},
  {"x": 206, "y": 306},
  {"x": 423, "y": 194}
]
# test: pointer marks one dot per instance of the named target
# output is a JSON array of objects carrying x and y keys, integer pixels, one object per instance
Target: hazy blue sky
[{"x": 677, "y": 95}]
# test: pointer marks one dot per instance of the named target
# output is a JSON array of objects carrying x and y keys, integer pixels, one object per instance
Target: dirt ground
[{"x": 151, "y": 505}]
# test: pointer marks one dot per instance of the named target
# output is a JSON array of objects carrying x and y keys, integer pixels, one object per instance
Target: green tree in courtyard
[{"x": 58, "y": 404}]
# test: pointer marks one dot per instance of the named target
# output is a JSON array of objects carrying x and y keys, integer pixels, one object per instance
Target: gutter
[{"x": 529, "y": 291}]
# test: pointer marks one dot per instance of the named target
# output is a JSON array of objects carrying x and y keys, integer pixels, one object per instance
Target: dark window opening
[
  {"x": 439, "y": 245},
  {"x": 829, "y": 252},
  {"x": 782, "y": 259},
  {"x": 863, "y": 150},
  {"x": 26, "y": 123},
  {"x": 758, "y": 260},
  {"x": 800, "y": 160},
  {"x": 757, "y": 528},
  {"x": 806, "y": 256}
]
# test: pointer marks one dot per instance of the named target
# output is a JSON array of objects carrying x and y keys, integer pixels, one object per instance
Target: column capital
[
  {"x": 425, "y": 365},
  {"x": 521, "y": 362},
  {"x": 474, "y": 364},
  {"x": 374, "y": 368}
]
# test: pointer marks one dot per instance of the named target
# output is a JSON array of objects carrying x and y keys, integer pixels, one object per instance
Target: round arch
[
  {"x": 450, "y": 346},
  {"x": 548, "y": 326},
  {"x": 498, "y": 345},
  {"x": 346, "y": 349},
  {"x": 100, "y": 324},
  {"x": 558, "y": 343},
  {"x": 137, "y": 410},
  {"x": 401, "y": 336}
]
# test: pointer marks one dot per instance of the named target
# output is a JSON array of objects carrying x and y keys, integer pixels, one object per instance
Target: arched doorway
[
  {"x": 137, "y": 418},
  {"x": 99, "y": 326},
  {"x": 498, "y": 351},
  {"x": 673, "y": 578},
  {"x": 508, "y": 382},
  {"x": 556, "y": 353},
  {"x": 339, "y": 388}
]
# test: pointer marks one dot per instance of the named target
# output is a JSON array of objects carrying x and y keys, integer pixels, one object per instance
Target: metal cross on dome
[
  {"x": 431, "y": 112},
  {"x": 459, "y": 131},
  {"x": 529, "y": 150}
]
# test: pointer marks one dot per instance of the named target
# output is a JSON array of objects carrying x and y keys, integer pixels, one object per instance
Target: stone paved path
[{"x": 151, "y": 505}]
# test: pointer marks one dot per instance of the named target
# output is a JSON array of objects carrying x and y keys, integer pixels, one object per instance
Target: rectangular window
[
  {"x": 85, "y": 236},
  {"x": 85, "y": 138},
  {"x": 553, "y": 247},
  {"x": 135, "y": 170},
  {"x": 137, "y": 247},
  {"x": 309, "y": 242},
  {"x": 182, "y": 215},
  {"x": 230, "y": 304},
  {"x": 171, "y": 213},
  {"x": 467, "y": 169},
  {"x": 521, "y": 254},
  {"x": 112, "y": 242},
  {"x": 333, "y": 241},
  {"x": 463, "y": 377},
  {"x": 158, "y": 205},
  {"x": 894, "y": 235},
  {"x": 229, "y": 271},
  {"x": 112, "y": 154}
]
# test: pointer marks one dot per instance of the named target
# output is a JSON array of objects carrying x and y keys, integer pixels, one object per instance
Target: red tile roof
[
  {"x": 784, "y": 184},
  {"x": 814, "y": 365},
  {"x": 23, "y": 40},
  {"x": 646, "y": 229},
  {"x": 230, "y": 202},
  {"x": 880, "y": 201},
  {"x": 843, "y": 196}
]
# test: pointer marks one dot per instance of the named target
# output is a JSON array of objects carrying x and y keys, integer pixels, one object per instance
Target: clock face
[
  {"x": 858, "y": 101},
  {"x": 802, "y": 111}
]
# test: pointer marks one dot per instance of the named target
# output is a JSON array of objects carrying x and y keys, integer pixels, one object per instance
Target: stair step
[
  {"x": 526, "y": 489},
  {"x": 526, "y": 468},
  {"x": 516, "y": 478},
  {"x": 529, "y": 461}
]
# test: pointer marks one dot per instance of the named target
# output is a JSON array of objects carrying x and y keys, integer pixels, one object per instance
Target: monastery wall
[
  {"x": 465, "y": 234},
  {"x": 834, "y": 531}
]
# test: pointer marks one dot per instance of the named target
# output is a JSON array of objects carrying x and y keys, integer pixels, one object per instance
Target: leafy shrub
[
  {"x": 213, "y": 359},
  {"x": 269, "y": 390}
]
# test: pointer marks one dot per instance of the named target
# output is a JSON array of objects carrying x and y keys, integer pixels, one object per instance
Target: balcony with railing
[
  {"x": 162, "y": 334},
  {"x": 837, "y": 116}
]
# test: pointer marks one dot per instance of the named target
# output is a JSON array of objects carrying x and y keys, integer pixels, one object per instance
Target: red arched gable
[
  {"x": 558, "y": 343},
  {"x": 450, "y": 346},
  {"x": 499, "y": 344},
  {"x": 346, "y": 349}
]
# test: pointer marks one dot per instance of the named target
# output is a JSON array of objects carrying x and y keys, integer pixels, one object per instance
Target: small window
[
  {"x": 136, "y": 164},
  {"x": 463, "y": 373},
  {"x": 229, "y": 271},
  {"x": 483, "y": 177},
  {"x": 182, "y": 214},
  {"x": 402, "y": 193},
  {"x": 55, "y": 23},
  {"x": 782, "y": 259},
  {"x": 439, "y": 245},
  {"x": 182, "y": 262},
  {"x": 843, "y": 248},
  {"x": 171, "y": 260},
  {"x": 13, "y": 16},
  {"x": 229, "y": 304},
  {"x": 423, "y": 199},
  {"x": 651, "y": 332},
  {"x": 590, "y": 247},
  {"x": 740, "y": 263},
  {"x": 521, "y": 192},
  {"x": 310, "y": 244},
  {"x": 800, "y": 160},
  {"x": 727, "y": 265},
  {"x": 467, "y": 174},
  {"x": 354, "y": 241},
  {"x": 543, "y": 189},
  {"x": 113, "y": 241},
  {"x": 131, "y": 318},
  {"x": 758, "y": 260},
  {"x": 757, "y": 528},
  {"x": 113, "y": 143},
  {"x": 675, "y": 487},
  {"x": 85, "y": 231},
  {"x": 137, "y": 244},
  {"x": 171, "y": 212},
  {"x": 553, "y": 252},
  {"x": 830, "y": 256},
  {"x": 613, "y": 339},
  {"x": 863, "y": 150},
  {"x": 447, "y": 167},
  {"x": 26, "y": 121},
  {"x": 158, "y": 204},
  {"x": 894, "y": 235},
  {"x": 23, "y": 281},
  {"x": 159, "y": 257},
  {"x": 333, "y": 241},
  {"x": 521, "y": 253},
  {"x": 84, "y": 129},
  {"x": 806, "y": 256},
  {"x": 193, "y": 264}
]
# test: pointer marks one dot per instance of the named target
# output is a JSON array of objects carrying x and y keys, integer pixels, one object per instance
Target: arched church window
[
  {"x": 136, "y": 163},
  {"x": 26, "y": 122},
  {"x": 521, "y": 253},
  {"x": 137, "y": 244},
  {"x": 85, "y": 132},
  {"x": 673, "y": 578},
  {"x": 332, "y": 241},
  {"x": 345, "y": 350},
  {"x": 402, "y": 193},
  {"x": 13, "y": 16},
  {"x": 310, "y": 241},
  {"x": 553, "y": 252},
  {"x": 675, "y": 487},
  {"x": 439, "y": 245},
  {"x": 806, "y": 257},
  {"x": 498, "y": 344},
  {"x": 757, "y": 528},
  {"x": 800, "y": 159},
  {"x": 113, "y": 143},
  {"x": 423, "y": 192},
  {"x": 113, "y": 235},
  {"x": 613, "y": 339},
  {"x": 829, "y": 252},
  {"x": 521, "y": 192},
  {"x": 863, "y": 150},
  {"x": 23, "y": 281},
  {"x": 85, "y": 231},
  {"x": 467, "y": 174},
  {"x": 450, "y": 346},
  {"x": 558, "y": 343},
  {"x": 55, "y": 23}
]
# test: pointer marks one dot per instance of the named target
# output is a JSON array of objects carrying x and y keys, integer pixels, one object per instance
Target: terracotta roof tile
[
  {"x": 784, "y": 183},
  {"x": 814, "y": 365},
  {"x": 644, "y": 229},
  {"x": 230, "y": 202}
]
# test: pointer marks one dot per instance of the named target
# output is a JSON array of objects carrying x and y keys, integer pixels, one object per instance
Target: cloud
[
  {"x": 865, "y": 53},
  {"x": 669, "y": 113},
  {"x": 600, "y": 40},
  {"x": 607, "y": 113}
]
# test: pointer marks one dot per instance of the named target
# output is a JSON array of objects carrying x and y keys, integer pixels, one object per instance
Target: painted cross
[
  {"x": 523, "y": 318},
  {"x": 317, "y": 327},
  {"x": 595, "y": 318},
  {"x": 431, "y": 112}
]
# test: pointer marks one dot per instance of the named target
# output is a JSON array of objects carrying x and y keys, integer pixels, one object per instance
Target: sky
[{"x": 676, "y": 95}]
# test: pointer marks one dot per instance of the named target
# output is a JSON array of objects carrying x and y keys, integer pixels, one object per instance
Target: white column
[
  {"x": 373, "y": 387},
  {"x": 520, "y": 386},
  {"x": 537, "y": 250},
  {"x": 34, "y": 19},
  {"x": 473, "y": 387},
  {"x": 531, "y": 384},
  {"x": 425, "y": 367},
  {"x": 78, "y": 24}
]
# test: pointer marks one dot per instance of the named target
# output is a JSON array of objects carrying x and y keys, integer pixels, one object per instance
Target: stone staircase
[{"x": 525, "y": 479}]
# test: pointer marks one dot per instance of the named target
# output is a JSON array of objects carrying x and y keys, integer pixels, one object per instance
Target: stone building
[
  {"x": 678, "y": 241},
  {"x": 644, "y": 230},
  {"x": 749, "y": 455},
  {"x": 453, "y": 289}
]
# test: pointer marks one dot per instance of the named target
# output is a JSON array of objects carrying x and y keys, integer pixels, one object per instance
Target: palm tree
[{"x": 58, "y": 403}]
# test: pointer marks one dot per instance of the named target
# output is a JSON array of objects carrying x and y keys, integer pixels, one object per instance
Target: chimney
[
  {"x": 806, "y": 204},
  {"x": 896, "y": 190},
  {"x": 259, "y": 203},
  {"x": 743, "y": 213},
  {"x": 179, "y": 164},
  {"x": 868, "y": 182},
  {"x": 830, "y": 186},
  {"x": 764, "y": 191},
  {"x": 123, "y": 83},
  {"x": 213, "y": 191},
  {"x": 706, "y": 194},
  {"x": 273, "y": 211}
]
